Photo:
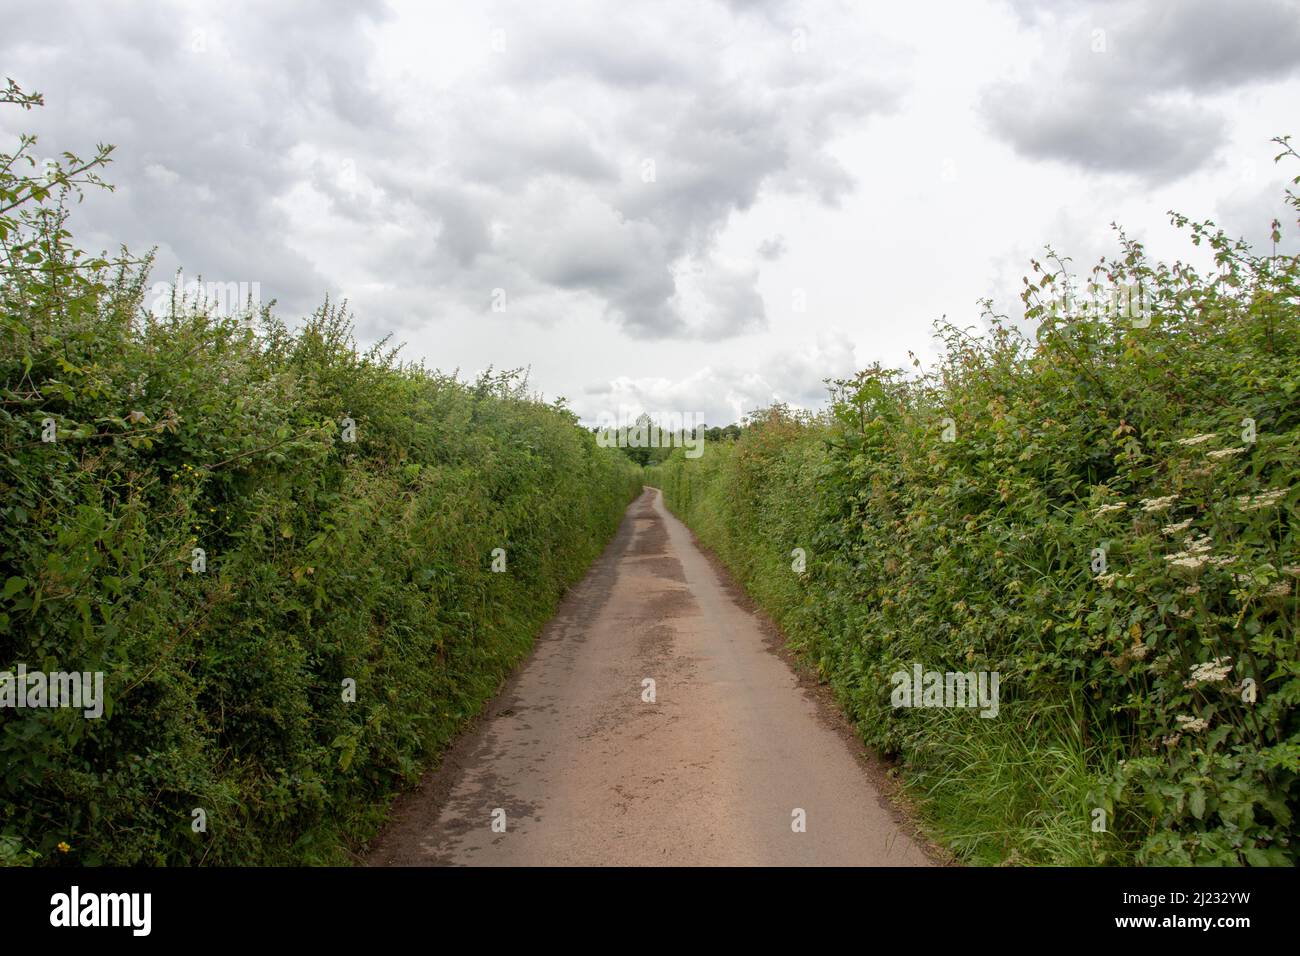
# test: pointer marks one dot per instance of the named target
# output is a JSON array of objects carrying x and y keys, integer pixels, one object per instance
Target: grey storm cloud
[
  {"x": 250, "y": 136},
  {"x": 204, "y": 113},
  {"x": 1111, "y": 96},
  {"x": 772, "y": 249}
]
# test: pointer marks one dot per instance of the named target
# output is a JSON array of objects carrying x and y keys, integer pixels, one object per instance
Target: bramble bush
[
  {"x": 326, "y": 559},
  {"x": 1112, "y": 527}
]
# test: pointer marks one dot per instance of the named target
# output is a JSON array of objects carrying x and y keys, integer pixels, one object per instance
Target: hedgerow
[
  {"x": 201, "y": 530},
  {"x": 1106, "y": 516}
]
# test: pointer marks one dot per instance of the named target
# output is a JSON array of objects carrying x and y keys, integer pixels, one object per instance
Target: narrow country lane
[{"x": 711, "y": 773}]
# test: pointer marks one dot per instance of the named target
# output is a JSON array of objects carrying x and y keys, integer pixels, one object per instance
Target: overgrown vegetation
[
  {"x": 1112, "y": 527},
  {"x": 324, "y": 560}
]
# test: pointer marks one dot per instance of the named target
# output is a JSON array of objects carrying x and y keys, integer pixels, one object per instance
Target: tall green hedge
[
  {"x": 326, "y": 560},
  {"x": 1158, "y": 688}
]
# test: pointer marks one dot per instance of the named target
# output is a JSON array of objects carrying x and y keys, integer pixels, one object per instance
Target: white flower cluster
[
  {"x": 1196, "y": 555},
  {"x": 1262, "y": 500},
  {"x": 1158, "y": 504},
  {"x": 1225, "y": 452},
  {"x": 1211, "y": 672}
]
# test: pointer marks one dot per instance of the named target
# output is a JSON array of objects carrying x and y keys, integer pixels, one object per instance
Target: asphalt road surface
[{"x": 735, "y": 761}]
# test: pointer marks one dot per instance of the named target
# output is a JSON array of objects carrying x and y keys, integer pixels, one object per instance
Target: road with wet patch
[{"x": 728, "y": 758}]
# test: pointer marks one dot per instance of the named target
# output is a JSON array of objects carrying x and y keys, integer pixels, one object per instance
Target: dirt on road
[{"x": 574, "y": 763}]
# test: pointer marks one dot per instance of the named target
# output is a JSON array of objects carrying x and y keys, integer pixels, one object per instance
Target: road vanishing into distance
[{"x": 728, "y": 758}]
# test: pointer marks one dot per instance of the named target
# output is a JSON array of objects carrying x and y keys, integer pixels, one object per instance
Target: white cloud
[{"x": 726, "y": 393}]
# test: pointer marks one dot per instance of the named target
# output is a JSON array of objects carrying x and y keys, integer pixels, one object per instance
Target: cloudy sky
[{"x": 692, "y": 207}]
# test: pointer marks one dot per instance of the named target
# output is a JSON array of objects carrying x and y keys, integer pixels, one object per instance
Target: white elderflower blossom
[
  {"x": 1158, "y": 504},
  {"x": 1175, "y": 528},
  {"x": 1226, "y": 452},
  {"x": 1196, "y": 439},
  {"x": 1195, "y": 554},
  {"x": 1107, "y": 509},
  {"x": 1262, "y": 500},
  {"x": 1210, "y": 672},
  {"x": 1191, "y": 725}
]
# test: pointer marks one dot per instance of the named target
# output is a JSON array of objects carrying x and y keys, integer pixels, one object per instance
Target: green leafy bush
[
  {"x": 1159, "y": 688},
  {"x": 326, "y": 560}
]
